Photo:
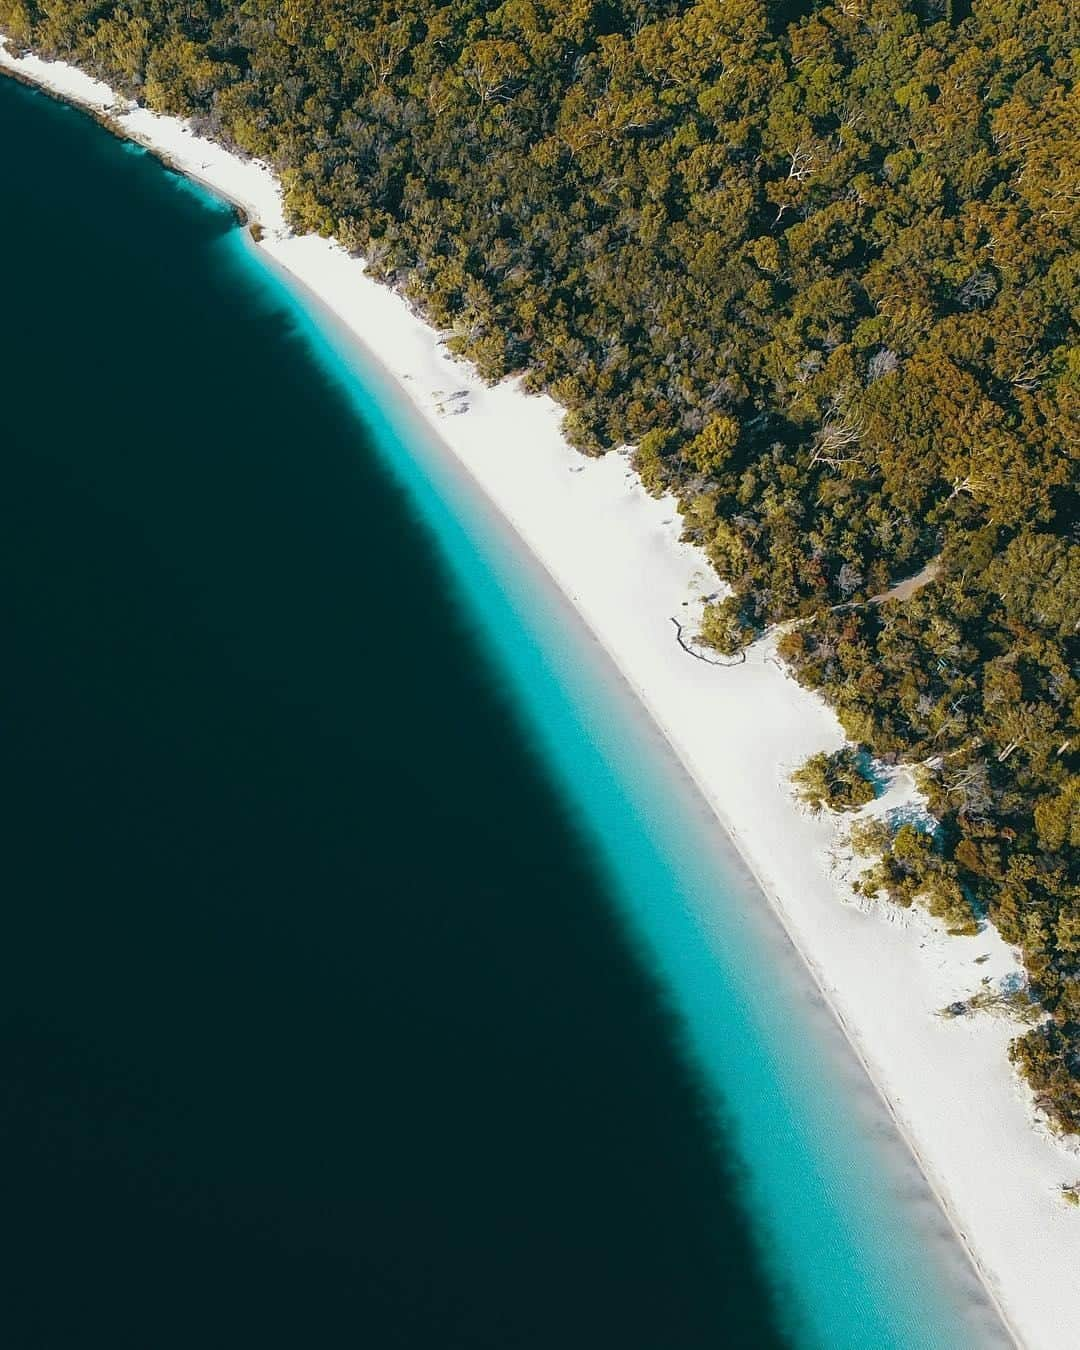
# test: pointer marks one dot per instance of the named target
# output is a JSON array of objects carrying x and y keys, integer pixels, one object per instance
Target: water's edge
[
  {"x": 729, "y": 857},
  {"x": 732, "y": 857},
  {"x": 522, "y": 576}
]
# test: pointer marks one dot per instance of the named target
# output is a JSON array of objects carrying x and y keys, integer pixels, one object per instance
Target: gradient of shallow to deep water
[{"x": 368, "y": 975}]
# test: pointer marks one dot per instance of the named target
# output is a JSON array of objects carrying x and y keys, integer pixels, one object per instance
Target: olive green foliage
[
  {"x": 834, "y": 781},
  {"x": 910, "y": 869},
  {"x": 870, "y": 836},
  {"x": 1049, "y": 1061},
  {"x": 824, "y": 276},
  {"x": 723, "y": 626}
]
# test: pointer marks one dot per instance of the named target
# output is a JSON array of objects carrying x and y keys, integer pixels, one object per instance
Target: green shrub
[
  {"x": 833, "y": 781},
  {"x": 910, "y": 869},
  {"x": 723, "y": 627}
]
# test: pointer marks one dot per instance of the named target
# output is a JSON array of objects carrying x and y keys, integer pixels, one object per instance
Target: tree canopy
[{"x": 817, "y": 262}]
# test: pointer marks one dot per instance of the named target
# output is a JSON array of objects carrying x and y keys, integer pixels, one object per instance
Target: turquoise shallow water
[
  {"x": 858, "y": 1249},
  {"x": 371, "y": 973}
]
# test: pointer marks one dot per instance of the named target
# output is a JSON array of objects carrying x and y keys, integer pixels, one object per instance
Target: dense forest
[{"x": 818, "y": 264}]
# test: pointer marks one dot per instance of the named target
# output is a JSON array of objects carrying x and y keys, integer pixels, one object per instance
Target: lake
[{"x": 369, "y": 972}]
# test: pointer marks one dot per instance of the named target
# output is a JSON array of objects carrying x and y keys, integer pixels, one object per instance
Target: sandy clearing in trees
[
  {"x": 740, "y": 730},
  {"x": 904, "y": 590}
]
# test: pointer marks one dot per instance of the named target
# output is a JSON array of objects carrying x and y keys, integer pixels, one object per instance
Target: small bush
[
  {"x": 833, "y": 781},
  {"x": 650, "y": 462},
  {"x": 723, "y": 628},
  {"x": 870, "y": 837},
  {"x": 1049, "y": 1059}
]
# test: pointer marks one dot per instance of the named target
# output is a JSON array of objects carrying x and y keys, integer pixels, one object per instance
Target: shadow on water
[{"x": 317, "y": 1022}]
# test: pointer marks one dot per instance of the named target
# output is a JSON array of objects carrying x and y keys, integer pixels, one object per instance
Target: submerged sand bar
[{"x": 740, "y": 730}]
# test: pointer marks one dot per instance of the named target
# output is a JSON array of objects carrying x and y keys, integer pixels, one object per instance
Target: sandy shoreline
[{"x": 738, "y": 731}]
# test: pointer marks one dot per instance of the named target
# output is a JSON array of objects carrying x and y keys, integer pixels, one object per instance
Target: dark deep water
[{"x": 316, "y": 1024}]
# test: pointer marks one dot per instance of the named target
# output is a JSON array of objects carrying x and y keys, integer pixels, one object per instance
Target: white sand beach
[{"x": 739, "y": 730}]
